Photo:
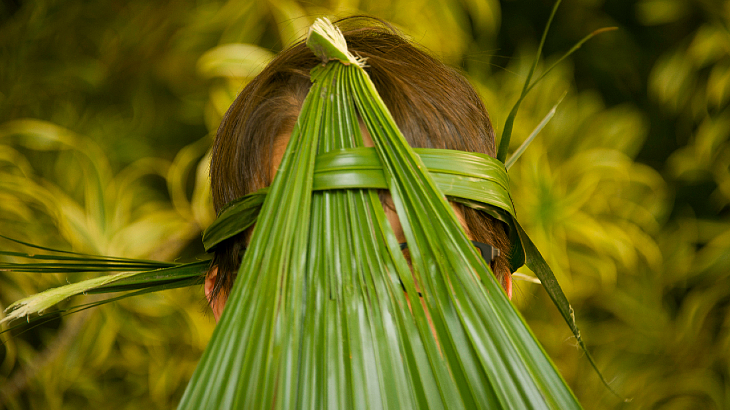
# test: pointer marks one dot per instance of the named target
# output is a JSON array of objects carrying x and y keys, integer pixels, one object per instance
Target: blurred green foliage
[{"x": 107, "y": 111}]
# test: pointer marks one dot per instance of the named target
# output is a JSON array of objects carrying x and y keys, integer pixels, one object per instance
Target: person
[{"x": 433, "y": 105}]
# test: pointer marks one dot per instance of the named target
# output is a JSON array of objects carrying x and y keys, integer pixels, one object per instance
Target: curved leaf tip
[{"x": 328, "y": 43}]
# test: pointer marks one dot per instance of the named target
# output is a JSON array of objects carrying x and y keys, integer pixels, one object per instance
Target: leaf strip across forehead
[{"x": 466, "y": 175}]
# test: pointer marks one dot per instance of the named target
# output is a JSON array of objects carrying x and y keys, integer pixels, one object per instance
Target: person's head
[{"x": 433, "y": 105}]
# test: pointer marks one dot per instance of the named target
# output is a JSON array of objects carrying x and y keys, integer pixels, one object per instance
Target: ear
[
  {"x": 219, "y": 303},
  {"x": 210, "y": 282},
  {"x": 508, "y": 285}
]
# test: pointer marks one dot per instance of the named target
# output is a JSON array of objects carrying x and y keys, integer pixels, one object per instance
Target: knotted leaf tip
[{"x": 327, "y": 42}]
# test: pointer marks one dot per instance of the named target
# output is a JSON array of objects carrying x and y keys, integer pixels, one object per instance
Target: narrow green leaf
[
  {"x": 152, "y": 279},
  {"x": 518, "y": 153},
  {"x": 77, "y": 256},
  {"x": 41, "y": 301},
  {"x": 537, "y": 264},
  {"x": 528, "y": 85},
  {"x": 235, "y": 218},
  {"x": 571, "y": 51},
  {"x": 507, "y": 130}
]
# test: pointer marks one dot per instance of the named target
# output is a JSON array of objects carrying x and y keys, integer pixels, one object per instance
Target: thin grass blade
[
  {"x": 508, "y": 124},
  {"x": 518, "y": 153}
]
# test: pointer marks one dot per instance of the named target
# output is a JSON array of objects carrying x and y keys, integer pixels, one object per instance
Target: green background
[{"x": 107, "y": 111}]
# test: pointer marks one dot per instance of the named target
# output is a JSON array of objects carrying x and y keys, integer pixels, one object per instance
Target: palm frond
[
  {"x": 317, "y": 317},
  {"x": 132, "y": 275}
]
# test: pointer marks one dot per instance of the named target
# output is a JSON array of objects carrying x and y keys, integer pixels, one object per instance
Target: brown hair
[{"x": 433, "y": 105}]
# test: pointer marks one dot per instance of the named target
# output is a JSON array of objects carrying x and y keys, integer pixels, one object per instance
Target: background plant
[{"x": 107, "y": 111}]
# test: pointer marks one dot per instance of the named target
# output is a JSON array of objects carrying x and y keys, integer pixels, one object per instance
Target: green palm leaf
[
  {"x": 137, "y": 275},
  {"x": 318, "y": 318}
]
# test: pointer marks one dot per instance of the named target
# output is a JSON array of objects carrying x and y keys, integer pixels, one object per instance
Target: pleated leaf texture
[{"x": 318, "y": 317}]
